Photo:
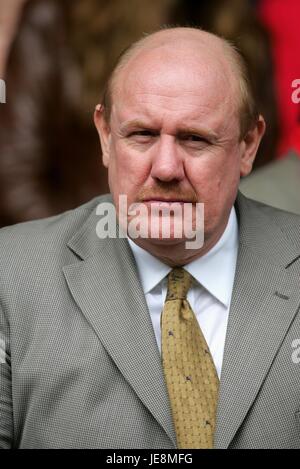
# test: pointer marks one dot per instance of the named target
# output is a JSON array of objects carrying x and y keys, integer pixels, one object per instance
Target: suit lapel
[
  {"x": 264, "y": 301},
  {"x": 106, "y": 287}
]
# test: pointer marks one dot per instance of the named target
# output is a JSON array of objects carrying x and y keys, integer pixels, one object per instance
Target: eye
[
  {"x": 194, "y": 140},
  {"x": 142, "y": 136},
  {"x": 143, "y": 133}
]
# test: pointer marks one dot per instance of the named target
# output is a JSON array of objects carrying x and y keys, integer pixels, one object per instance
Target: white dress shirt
[{"x": 209, "y": 296}]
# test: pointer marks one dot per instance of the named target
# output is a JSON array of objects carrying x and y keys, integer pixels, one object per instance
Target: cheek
[
  {"x": 215, "y": 180},
  {"x": 127, "y": 172},
  {"x": 215, "y": 168}
]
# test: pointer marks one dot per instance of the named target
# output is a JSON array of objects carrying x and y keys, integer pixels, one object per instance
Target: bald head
[{"x": 178, "y": 46}]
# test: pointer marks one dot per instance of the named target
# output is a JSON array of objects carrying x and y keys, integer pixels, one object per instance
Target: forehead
[{"x": 185, "y": 83}]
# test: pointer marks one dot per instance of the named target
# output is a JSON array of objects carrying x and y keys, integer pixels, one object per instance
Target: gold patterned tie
[{"x": 190, "y": 373}]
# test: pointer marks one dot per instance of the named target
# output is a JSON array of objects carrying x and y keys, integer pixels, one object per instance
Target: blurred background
[{"x": 55, "y": 56}]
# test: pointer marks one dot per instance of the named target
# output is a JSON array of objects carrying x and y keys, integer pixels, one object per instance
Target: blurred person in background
[
  {"x": 10, "y": 11},
  {"x": 35, "y": 137}
]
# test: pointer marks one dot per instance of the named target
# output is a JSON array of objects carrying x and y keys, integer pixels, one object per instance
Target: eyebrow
[
  {"x": 137, "y": 123},
  {"x": 132, "y": 124},
  {"x": 198, "y": 131}
]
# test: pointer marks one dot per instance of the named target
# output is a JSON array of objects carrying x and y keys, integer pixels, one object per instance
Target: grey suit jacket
[{"x": 80, "y": 367}]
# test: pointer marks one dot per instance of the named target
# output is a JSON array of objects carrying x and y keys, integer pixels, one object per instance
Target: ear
[
  {"x": 251, "y": 143},
  {"x": 103, "y": 131}
]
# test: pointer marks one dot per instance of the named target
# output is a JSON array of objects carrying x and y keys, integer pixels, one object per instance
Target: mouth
[{"x": 166, "y": 201}]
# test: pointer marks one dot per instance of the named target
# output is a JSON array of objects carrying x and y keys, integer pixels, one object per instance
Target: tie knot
[{"x": 179, "y": 282}]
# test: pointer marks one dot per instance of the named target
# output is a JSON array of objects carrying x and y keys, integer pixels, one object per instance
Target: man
[{"x": 144, "y": 342}]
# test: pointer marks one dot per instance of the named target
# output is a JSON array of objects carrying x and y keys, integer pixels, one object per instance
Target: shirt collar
[{"x": 214, "y": 271}]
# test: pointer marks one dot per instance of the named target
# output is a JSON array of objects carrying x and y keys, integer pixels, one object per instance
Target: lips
[{"x": 166, "y": 201}]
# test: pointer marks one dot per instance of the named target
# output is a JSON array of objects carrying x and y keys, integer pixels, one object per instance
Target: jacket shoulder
[
  {"x": 287, "y": 222},
  {"x": 48, "y": 234}
]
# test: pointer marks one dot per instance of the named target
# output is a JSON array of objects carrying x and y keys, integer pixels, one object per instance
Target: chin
[
  {"x": 166, "y": 241},
  {"x": 160, "y": 242}
]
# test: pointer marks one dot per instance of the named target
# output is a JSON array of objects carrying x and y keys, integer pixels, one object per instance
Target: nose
[{"x": 167, "y": 164}]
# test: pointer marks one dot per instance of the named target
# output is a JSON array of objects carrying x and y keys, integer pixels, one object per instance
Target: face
[{"x": 174, "y": 135}]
